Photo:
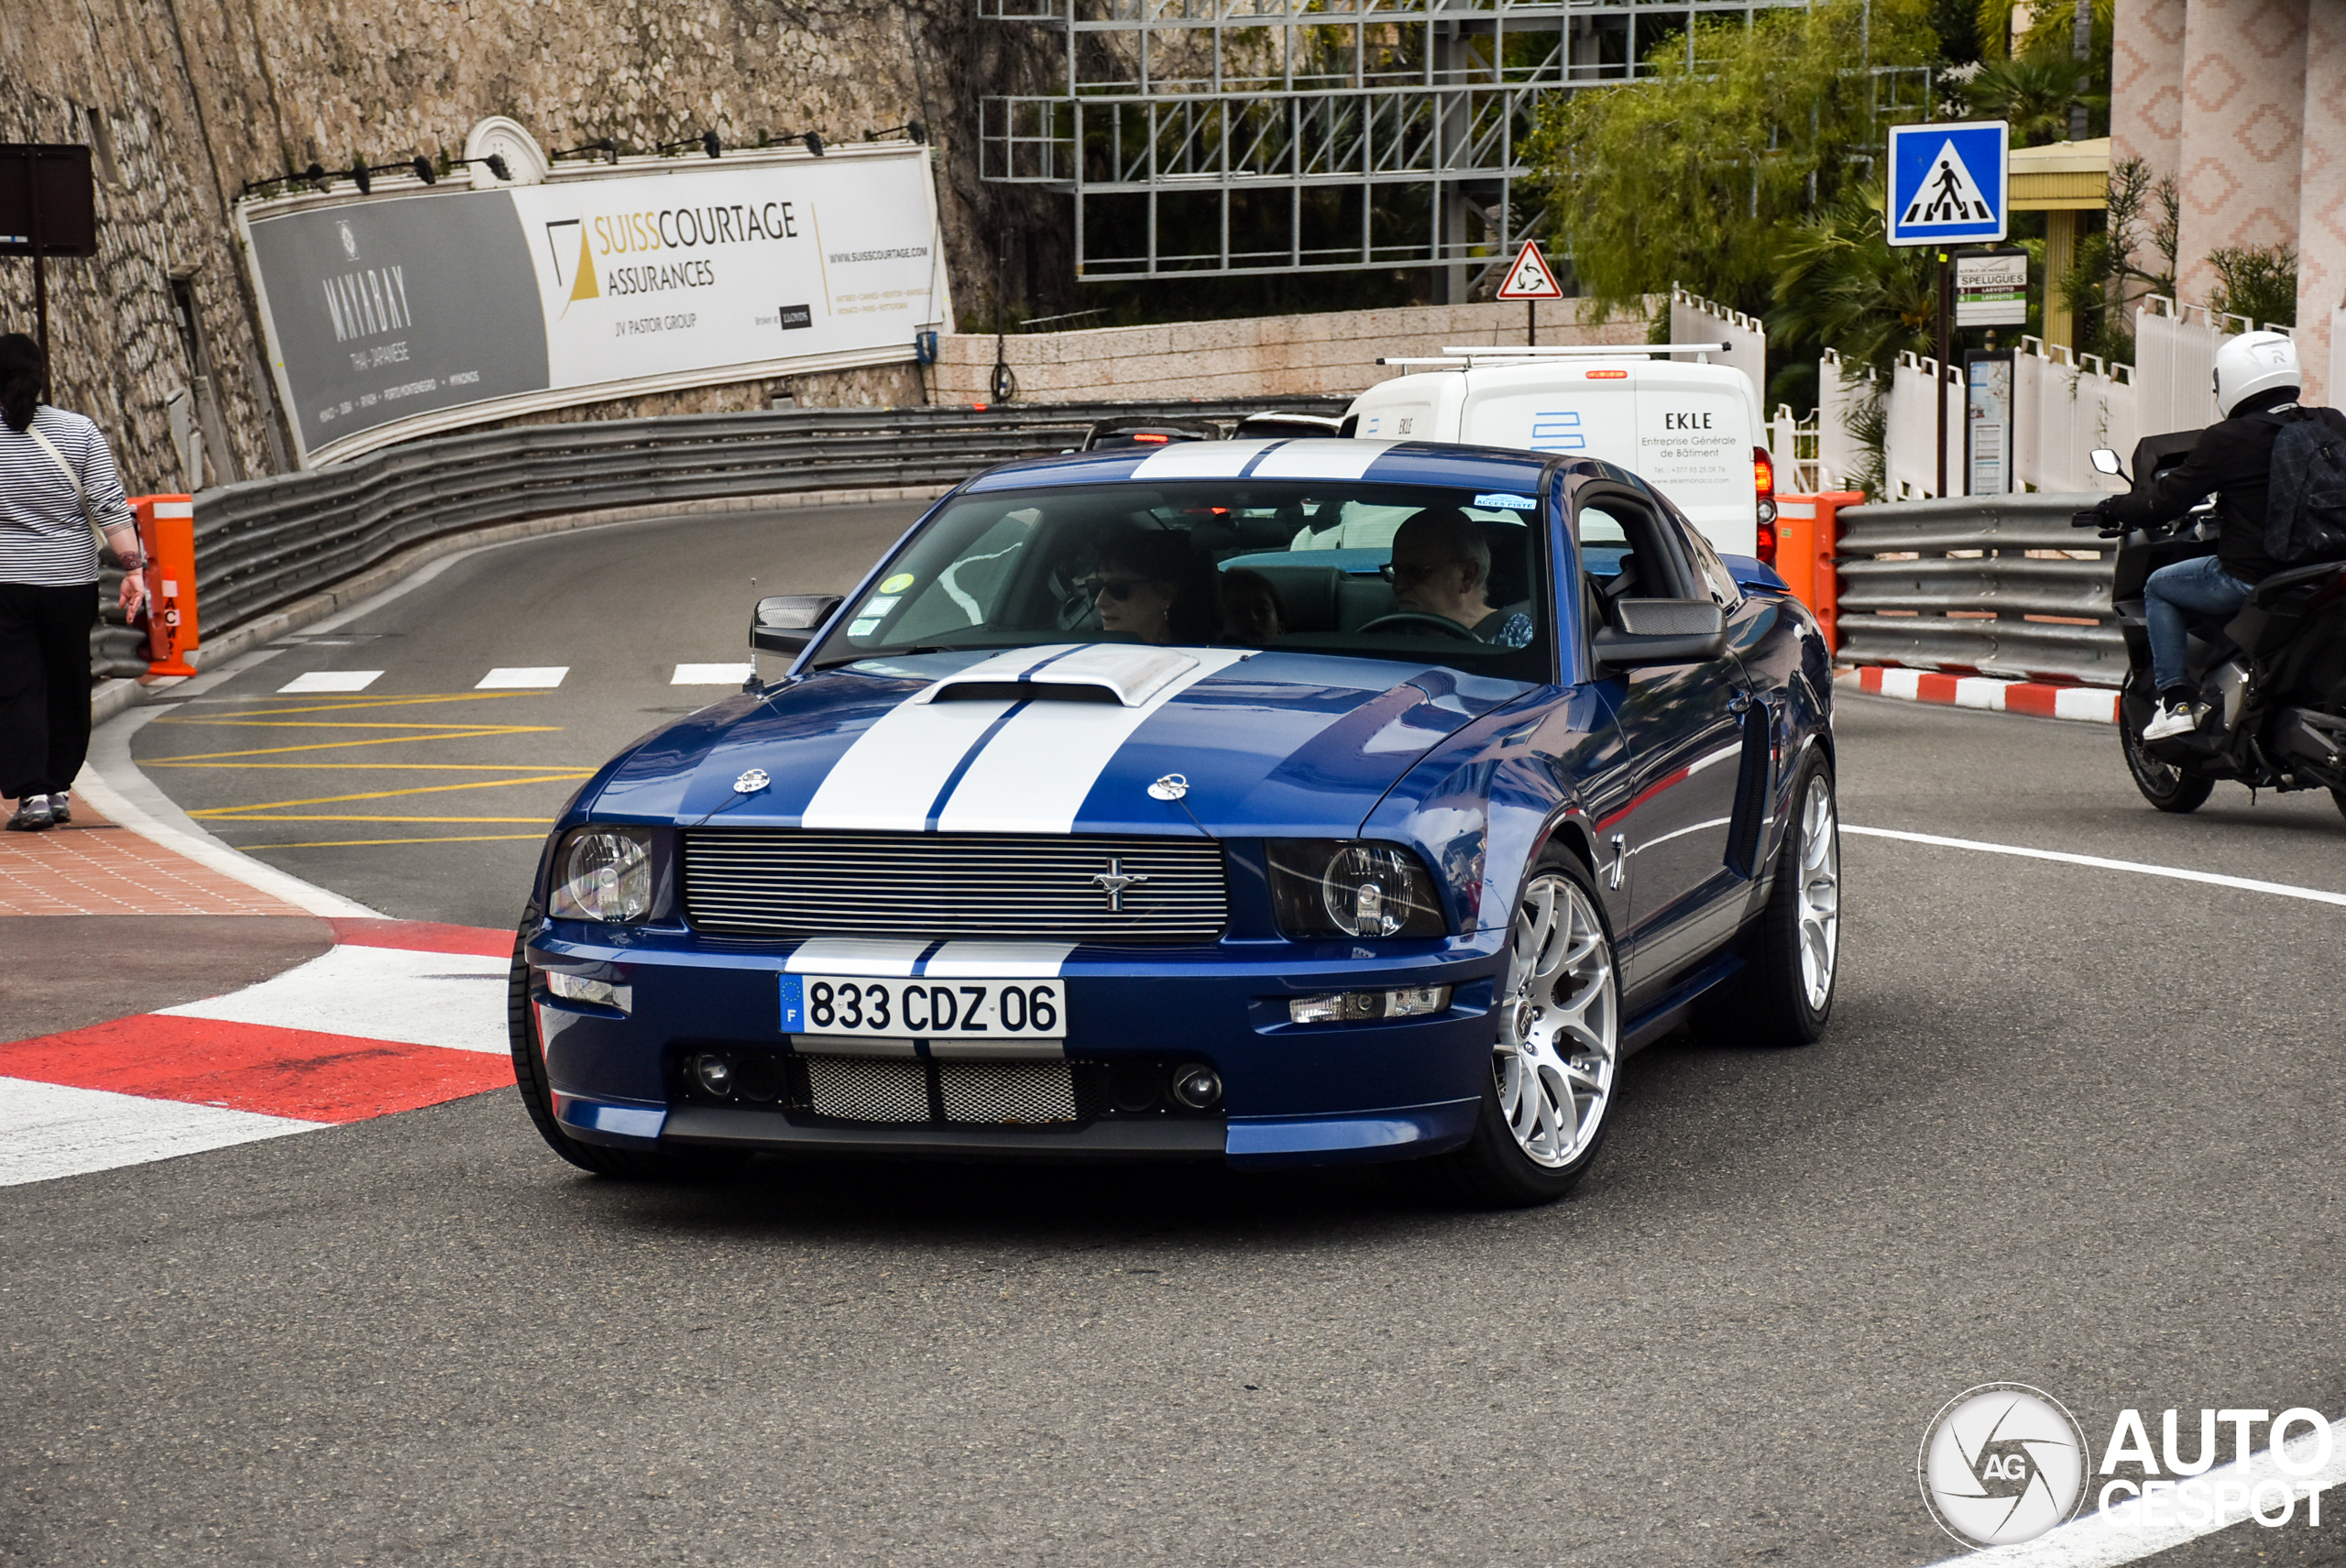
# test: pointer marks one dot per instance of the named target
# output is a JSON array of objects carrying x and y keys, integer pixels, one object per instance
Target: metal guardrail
[
  {"x": 265, "y": 542},
  {"x": 1952, "y": 583}
]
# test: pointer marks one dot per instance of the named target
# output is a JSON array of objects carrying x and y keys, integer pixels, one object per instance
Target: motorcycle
[{"x": 2273, "y": 673}]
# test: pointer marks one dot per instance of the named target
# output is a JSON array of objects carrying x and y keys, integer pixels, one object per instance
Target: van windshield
[{"x": 1417, "y": 573}]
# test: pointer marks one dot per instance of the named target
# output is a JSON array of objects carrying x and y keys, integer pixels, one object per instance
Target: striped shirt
[{"x": 43, "y": 538}]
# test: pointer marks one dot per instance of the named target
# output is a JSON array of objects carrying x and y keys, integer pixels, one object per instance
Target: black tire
[
  {"x": 530, "y": 1076},
  {"x": 1775, "y": 1003},
  {"x": 2163, "y": 785},
  {"x": 1496, "y": 1168}
]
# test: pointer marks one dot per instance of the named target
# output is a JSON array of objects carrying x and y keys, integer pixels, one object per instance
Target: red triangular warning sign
[{"x": 1530, "y": 278}]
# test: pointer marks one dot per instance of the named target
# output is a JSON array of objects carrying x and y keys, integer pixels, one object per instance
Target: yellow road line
[
  {"x": 334, "y": 745},
  {"x": 344, "y": 724},
  {"x": 296, "y": 817},
  {"x": 355, "y": 702},
  {"x": 232, "y": 812},
  {"x": 577, "y": 769},
  {"x": 360, "y": 843}
]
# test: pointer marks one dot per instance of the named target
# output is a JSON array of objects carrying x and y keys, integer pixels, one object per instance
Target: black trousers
[{"x": 44, "y": 686}]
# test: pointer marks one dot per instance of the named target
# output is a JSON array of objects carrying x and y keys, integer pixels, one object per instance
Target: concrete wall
[
  {"x": 194, "y": 99},
  {"x": 1334, "y": 353}
]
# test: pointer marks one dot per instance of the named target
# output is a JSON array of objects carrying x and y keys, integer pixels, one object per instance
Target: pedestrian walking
[{"x": 59, "y": 494}]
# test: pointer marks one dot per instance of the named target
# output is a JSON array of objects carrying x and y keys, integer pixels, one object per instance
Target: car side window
[
  {"x": 1626, "y": 553},
  {"x": 1717, "y": 581}
]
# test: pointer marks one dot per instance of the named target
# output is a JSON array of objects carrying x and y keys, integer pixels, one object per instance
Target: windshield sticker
[
  {"x": 876, "y": 605},
  {"x": 1513, "y": 503},
  {"x": 898, "y": 583}
]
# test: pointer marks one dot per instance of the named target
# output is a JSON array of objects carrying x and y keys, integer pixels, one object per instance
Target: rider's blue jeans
[{"x": 2197, "y": 586}]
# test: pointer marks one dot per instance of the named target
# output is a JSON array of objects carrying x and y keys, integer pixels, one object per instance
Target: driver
[
  {"x": 2256, "y": 375},
  {"x": 1442, "y": 567}
]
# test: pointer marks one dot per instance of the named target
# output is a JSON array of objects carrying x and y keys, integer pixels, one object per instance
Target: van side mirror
[
  {"x": 1660, "y": 631},
  {"x": 785, "y": 623}
]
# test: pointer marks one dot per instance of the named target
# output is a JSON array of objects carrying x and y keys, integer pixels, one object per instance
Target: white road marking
[
  {"x": 53, "y": 1130},
  {"x": 2249, "y": 885},
  {"x": 331, "y": 681},
  {"x": 526, "y": 677},
  {"x": 711, "y": 674},
  {"x": 2123, "y": 1533},
  {"x": 455, "y": 1000}
]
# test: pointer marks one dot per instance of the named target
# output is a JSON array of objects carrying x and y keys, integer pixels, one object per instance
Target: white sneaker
[{"x": 2181, "y": 720}]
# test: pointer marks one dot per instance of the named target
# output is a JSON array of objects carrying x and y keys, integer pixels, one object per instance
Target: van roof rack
[{"x": 1471, "y": 353}]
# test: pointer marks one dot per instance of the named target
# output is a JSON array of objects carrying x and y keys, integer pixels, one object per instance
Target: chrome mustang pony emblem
[{"x": 1113, "y": 881}]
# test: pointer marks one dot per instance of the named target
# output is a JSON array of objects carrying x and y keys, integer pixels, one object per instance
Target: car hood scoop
[{"x": 1114, "y": 673}]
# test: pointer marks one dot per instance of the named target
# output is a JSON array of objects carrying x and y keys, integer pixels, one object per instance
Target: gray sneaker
[
  {"x": 33, "y": 815},
  {"x": 60, "y": 808},
  {"x": 2180, "y": 720}
]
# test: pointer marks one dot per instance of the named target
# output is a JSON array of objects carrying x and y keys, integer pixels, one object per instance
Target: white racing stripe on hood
[
  {"x": 1033, "y": 776},
  {"x": 891, "y": 775}
]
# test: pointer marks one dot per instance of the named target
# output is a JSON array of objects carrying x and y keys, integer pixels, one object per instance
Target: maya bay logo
[
  {"x": 363, "y": 301},
  {"x": 2000, "y": 1464}
]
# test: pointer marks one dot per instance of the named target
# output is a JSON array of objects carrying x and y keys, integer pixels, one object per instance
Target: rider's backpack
[{"x": 2305, "y": 513}]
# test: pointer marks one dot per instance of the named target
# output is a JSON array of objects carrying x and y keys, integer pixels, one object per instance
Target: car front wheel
[{"x": 1557, "y": 1050}]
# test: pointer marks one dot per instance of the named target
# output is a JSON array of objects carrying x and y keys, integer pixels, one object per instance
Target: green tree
[
  {"x": 1695, "y": 175},
  {"x": 2259, "y": 281},
  {"x": 2121, "y": 262},
  {"x": 2033, "y": 91}
]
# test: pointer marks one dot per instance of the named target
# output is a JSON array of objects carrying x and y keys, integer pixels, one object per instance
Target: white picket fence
[{"x": 1694, "y": 319}]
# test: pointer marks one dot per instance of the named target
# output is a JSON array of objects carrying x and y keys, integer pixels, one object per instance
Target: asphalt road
[{"x": 2071, "y": 1127}]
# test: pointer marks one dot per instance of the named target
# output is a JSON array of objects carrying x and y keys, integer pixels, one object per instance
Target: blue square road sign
[{"x": 1948, "y": 183}]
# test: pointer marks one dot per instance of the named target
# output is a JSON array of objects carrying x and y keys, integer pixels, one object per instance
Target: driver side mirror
[
  {"x": 2105, "y": 461},
  {"x": 1660, "y": 631},
  {"x": 785, "y": 623}
]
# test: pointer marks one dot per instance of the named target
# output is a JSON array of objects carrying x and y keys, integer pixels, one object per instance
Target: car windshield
[{"x": 1418, "y": 572}]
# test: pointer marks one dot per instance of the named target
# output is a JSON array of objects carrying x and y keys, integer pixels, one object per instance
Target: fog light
[
  {"x": 1355, "y": 1006},
  {"x": 1197, "y": 1086},
  {"x": 715, "y": 1074},
  {"x": 595, "y": 992}
]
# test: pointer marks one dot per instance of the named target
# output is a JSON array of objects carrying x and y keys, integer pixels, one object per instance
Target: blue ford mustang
[{"x": 1276, "y": 802}]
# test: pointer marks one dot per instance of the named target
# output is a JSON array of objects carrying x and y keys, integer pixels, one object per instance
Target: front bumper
[{"x": 1293, "y": 1094}]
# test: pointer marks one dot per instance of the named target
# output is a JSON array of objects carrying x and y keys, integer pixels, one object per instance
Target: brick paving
[{"x": 94, "y": 867}]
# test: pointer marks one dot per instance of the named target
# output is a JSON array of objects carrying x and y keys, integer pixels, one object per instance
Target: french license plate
[{"x": 924, "y": 1009}]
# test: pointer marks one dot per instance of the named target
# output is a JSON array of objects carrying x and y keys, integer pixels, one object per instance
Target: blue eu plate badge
[{"x": 794, "y": 1005}]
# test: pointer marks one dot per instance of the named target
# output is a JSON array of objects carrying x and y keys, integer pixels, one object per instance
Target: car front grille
[{"x": 785, "y": 883}]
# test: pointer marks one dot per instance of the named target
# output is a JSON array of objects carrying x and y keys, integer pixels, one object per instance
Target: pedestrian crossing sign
[{"x": 1947, "y": 183}]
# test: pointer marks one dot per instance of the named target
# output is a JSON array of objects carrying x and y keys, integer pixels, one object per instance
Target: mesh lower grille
[
  {"x": 857, "y": 1089},
  {"x": 1007, "y": 1091}
]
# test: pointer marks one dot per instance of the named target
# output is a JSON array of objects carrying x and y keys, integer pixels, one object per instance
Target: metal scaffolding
[{"x": 1226, "y": 137}]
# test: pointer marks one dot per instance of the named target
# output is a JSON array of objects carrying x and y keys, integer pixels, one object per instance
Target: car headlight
[
  {"x": 1339, "y": 887},
  {"x": 604, "y": 873}
]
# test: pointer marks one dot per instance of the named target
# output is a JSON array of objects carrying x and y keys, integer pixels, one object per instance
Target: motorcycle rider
[{"x": 2256, "y": 373}]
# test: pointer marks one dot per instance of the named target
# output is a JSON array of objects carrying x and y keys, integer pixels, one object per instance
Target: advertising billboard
[{"x": 432, "y": 308}]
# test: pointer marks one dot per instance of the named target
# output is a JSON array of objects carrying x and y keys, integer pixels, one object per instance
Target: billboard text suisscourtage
[{"x": 402, "y": 315}]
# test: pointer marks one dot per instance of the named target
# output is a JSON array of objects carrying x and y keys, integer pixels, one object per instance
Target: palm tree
[{"x": 2032, "y": 91}]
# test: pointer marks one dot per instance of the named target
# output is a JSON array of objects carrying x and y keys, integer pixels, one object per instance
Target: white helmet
[{"x": 2251, "y": 363}]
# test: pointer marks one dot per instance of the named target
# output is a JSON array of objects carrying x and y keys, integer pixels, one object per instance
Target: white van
[{"x": 1693, "y": 431}]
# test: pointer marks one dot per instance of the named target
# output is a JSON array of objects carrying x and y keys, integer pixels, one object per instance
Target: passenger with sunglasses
[
  {"x": 1442, "y": 567},
  {"x": 1145, "y": 587}
]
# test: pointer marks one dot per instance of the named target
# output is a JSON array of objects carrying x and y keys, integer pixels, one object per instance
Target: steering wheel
[{"x": 1440, "y": 623}]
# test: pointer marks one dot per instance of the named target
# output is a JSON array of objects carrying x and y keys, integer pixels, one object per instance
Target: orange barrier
[
  {"x": 1808, "y": 534},
  {"x": 166, "y": 530}
]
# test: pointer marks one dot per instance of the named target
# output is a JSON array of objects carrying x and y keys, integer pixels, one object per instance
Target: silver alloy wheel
[
  {"x": 1819, "y": 869},
  {"x": 1559, "y": 1024}
]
